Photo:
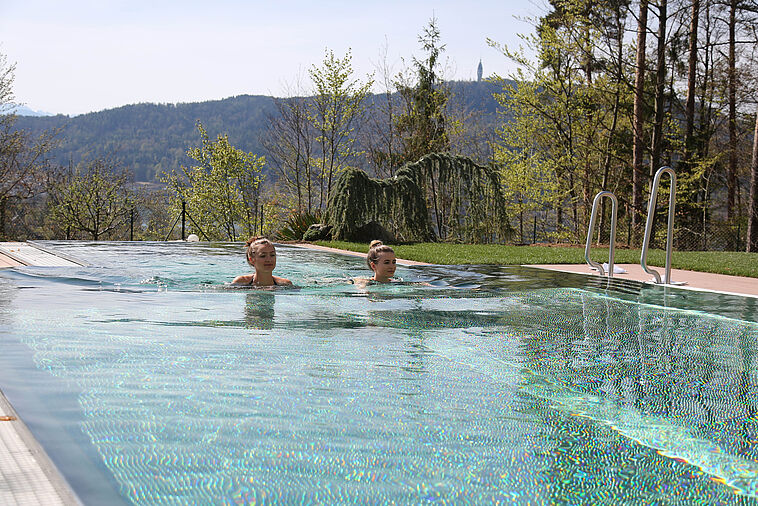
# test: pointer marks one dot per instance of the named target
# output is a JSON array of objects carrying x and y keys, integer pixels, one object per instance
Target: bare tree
[
  {"x": 22, "y": 155},
  {"x": 380, "y": 136},
  {"x": 660, "y": 84},
  {"x": 289, "y": 140},
  {"x": 638, "y": 178},
  {"x": 689, "y": 108},
  {"x": 91, "y": 198},
  {"x": 752, "y": 220}
]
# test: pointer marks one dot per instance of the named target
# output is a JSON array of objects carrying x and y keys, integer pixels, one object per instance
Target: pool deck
[
  {"x": 27, "y": 475},
  {"x": 702, "y": 281},
  {"x": 14, "y": 254}
]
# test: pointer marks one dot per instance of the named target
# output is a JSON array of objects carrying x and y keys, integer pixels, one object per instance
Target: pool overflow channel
[{"x": 648, "y": 230}]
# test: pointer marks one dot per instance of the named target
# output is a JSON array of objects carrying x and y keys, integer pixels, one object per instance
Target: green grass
[{"x": 718, "y": 262}]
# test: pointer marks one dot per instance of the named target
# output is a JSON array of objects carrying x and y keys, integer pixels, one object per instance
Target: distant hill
[
  {"x": 22, "y": 110},
  {"x": 149, "y": 139}
]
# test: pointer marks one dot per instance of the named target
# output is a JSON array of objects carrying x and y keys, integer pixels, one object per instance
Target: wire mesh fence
[{"x": 542, "y": 227}]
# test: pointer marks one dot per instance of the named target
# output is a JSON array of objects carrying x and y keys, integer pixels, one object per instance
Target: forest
[
  {"x": 605, "y": 93},
  {"x": 149, "y": 139}
]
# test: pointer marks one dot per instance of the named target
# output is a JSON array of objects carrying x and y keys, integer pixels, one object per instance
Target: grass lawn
[{"x": 718, "y": 262}]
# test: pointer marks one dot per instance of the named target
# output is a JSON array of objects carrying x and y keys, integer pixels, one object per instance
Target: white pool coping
[{"x": 27, "y": 475}]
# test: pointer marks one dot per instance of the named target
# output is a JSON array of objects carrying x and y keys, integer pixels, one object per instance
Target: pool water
[{"x": 150, "y": 381}]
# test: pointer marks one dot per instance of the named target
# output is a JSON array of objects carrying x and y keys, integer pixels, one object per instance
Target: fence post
[
  {"x": 261, "y": 231},
  {"x": 534, "y": 230},
  {"x": 184, "y": 214},
  {"x": 131, "y": 225}
]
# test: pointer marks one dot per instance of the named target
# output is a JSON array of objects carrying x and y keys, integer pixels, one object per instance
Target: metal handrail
[
  {"x": 593, "y": 217},
  {"x": 649, "y": 224}
]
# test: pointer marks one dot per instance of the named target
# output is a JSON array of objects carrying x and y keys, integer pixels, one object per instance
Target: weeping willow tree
[
  {"x": 441, "y": 196},
  {"x": 397, "y": 203}
]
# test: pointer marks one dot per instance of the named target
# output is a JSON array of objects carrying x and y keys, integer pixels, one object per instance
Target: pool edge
[
  {"x": 305, "y": 245},
  {"x": 33, "y": 462}
]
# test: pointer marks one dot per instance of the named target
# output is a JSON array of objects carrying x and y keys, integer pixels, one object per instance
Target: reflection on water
[
  {"x": 259, "y": 310},
  {"x": 527, "y": 388},
  {"x": 7, "y": 290}
]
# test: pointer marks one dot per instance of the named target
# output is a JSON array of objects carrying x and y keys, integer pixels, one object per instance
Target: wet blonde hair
[
  {"x": 375, "y": 249},
  {"x": 252, "y": 245}
]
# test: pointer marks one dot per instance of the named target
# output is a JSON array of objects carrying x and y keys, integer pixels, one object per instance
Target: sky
[{"x": 79, "y": 56}]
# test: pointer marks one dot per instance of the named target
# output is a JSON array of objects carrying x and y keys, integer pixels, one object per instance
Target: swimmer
[
  {"x": 261, "y": 254},
  {"x": 380, "y": 259}
]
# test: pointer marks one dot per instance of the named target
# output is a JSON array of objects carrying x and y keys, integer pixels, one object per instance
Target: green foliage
[
  {"x": 398, "y": 204},
  {"x": 92, "y": 198},
  {"x": 422, "y": 127},
  {"x": 221, "y": 192},
  {"x": 463, "y": 197},
  {"x": 528, "y": 170},
  {"x": 565, "y": 129},
  {"x": 337, "y": 105},
  {"x": 297, "y": 224}
]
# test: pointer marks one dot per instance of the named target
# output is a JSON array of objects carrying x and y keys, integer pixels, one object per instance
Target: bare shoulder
[
  {"x": 282, "y": 281},
  {"x": 244, "y": 279},
  {"x": 360, "y": 282}
]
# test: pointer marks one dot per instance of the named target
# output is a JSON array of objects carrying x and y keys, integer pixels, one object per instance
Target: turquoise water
[{"x": 149, "y": 381}]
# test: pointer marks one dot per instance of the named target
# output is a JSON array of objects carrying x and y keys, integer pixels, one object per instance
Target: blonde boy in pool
[{"x": 261, "y": 255}]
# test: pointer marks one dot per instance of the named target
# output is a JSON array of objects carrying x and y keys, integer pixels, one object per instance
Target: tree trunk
[
  {"x": 637, "y": 151},
  {"x": 689, "y": 108},
  {"x": 614, "y": 122},
  {"x": 660, "y": 84},
  {"x": 731, "y": 178},
  {"x": 3, "y": 200},
  {"x": 752, "y": 222}
]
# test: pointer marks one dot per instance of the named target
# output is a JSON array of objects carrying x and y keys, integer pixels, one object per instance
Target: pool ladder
[
  {"x": 648, "y": 229},
  {"x": 669, "y": 232},
  {"x": 593, "y": 218}
]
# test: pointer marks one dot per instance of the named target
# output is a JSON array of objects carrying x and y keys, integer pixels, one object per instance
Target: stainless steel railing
[
  {"x": 649, "y": 224},
  {"x": 593, "y": 217}
]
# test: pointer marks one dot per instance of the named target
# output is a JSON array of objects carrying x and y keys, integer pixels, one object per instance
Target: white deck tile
[
  {"x": 30, "y": 255},
  {"x": 24, "y": 479}
]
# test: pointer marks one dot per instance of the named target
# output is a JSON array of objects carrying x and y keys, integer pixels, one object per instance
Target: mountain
[
  {"x": 149, "y": 139},
  {"x": 22, "y": 110}
]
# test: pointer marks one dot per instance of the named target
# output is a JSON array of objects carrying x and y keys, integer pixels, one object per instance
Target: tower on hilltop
[{"x": 479, "y": 71}]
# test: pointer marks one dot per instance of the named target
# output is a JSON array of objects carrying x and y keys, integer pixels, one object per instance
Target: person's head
[
  {"x": 381, "y": 260},
  {"x": 261, "y": 254}
]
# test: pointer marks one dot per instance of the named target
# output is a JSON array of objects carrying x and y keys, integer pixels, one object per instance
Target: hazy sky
[{"x": 79, "y": 56}]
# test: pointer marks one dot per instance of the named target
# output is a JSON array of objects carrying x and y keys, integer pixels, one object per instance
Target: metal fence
[{"x": 717, "y": 235}]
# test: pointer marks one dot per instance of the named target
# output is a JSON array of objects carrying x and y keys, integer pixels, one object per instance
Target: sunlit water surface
[{"x": 149, "y": 381}]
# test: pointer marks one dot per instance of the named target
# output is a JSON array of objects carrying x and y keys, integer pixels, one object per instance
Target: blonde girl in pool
[
  {"x": 261, "y": 255},
  {"x": 381, "y": 259}
]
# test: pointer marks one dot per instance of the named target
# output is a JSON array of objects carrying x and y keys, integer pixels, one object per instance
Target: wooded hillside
[{"x": 148, "y": 139}]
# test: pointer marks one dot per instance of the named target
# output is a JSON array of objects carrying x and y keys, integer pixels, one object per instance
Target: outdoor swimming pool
[{"x": 150, "y": 382}]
